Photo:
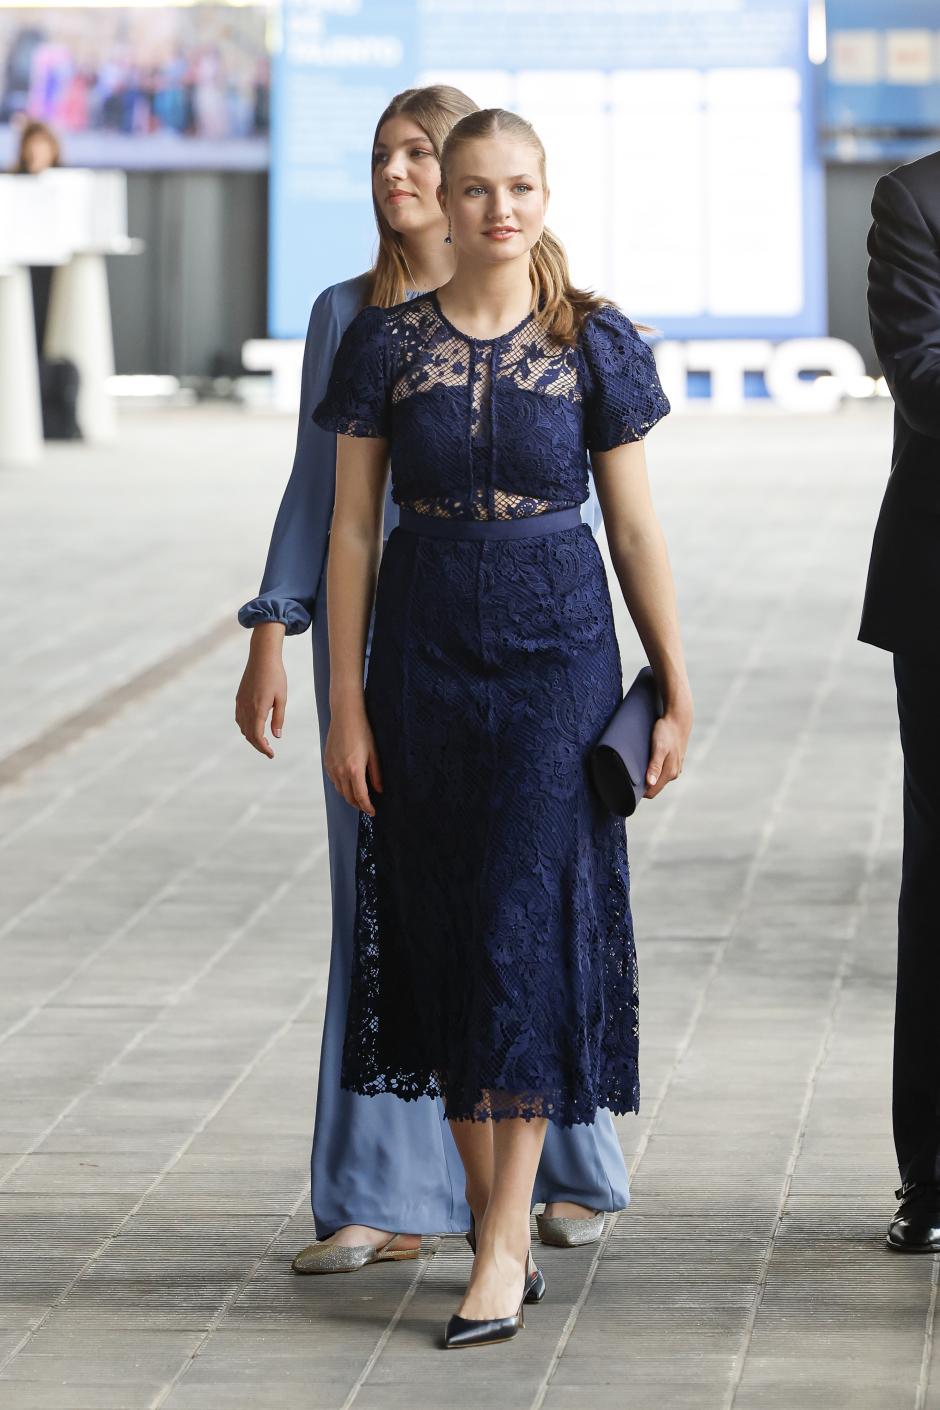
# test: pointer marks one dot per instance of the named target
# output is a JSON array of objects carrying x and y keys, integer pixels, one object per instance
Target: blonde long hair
[
  {"x": 435, "y": 109},
  {"x": 561, "y": 306}
]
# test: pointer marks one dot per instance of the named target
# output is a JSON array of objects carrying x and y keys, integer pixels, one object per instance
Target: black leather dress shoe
[
  {"x": 467, "y": 1331},
  {"x": 915, "y": 1226},
  {"x": 484, "y": 1331}
]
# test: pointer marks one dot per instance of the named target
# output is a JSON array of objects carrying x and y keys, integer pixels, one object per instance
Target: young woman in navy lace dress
[
  {"x": 494, "y": 962},
  {"x": 383, "y": 1172}
]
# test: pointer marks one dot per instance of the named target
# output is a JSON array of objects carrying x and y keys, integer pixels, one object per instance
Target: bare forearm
[
  {"x": 267, "y": 638},
  {"x": 641, "y": 563},
  {"x": 352, "y": 569}
]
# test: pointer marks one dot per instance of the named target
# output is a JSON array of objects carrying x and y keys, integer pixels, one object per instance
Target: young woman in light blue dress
[{"x": 384, "y": 1172}]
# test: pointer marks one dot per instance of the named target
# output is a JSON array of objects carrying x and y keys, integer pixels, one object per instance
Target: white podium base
[
  {"x": 20, "y": 408},
  {"x": 79, "y": 327}
]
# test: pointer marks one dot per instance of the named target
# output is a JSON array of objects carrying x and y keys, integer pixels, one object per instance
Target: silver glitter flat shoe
[
  {"x": 563, "y": 1232},
  {"x": 334, "y": 1258}
]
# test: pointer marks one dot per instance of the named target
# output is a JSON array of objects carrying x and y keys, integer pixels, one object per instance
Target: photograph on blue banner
[{"x": 157, "y": 86}]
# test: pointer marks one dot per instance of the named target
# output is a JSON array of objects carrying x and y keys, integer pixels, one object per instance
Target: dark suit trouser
[{"x": 916, "y": 1094}]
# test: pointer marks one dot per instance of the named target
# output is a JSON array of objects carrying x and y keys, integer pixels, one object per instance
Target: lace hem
[{"x": 561, "y": 1108}]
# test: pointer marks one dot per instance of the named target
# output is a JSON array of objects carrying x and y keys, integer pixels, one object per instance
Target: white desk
[{"x": 70, "y": 219}]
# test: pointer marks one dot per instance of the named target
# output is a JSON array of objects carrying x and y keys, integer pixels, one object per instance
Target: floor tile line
[
  {"x": 176, "y": 786},
  {"x": 787, "y": 778},
  {"x": 188, "y": 869},
  {"x": 104, "y": 707},
  {"x": 139, "y": 740},
  {"x": 101, "y": 770},
  {"x": 836, "y": 993},
  {"x": 642, "y": 1145},
  {"x": 232, "y": 1297},
  {"x": 923, "y": 1380},
  {"x": 194, "y": 978},
  {"x": 386, "y": 1334},
  {"x": 90, "y": 861},
  {"x": 299, "y": 871},
  {"x": 699, "y": 753}
]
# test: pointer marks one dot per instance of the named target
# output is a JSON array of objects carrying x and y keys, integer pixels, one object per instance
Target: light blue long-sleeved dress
[{"x": 377, "y": 1160}]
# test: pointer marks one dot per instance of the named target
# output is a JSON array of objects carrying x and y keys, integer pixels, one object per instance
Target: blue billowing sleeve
[
  {"x": 624, "y": 397},
  {"x": 299, "y": 540},
  {"x": 356, "y": 400}
]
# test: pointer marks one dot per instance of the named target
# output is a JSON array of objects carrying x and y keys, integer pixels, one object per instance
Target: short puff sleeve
[
  {"x": 356, "y": 400},
  {"x": 624, "y": 398}
]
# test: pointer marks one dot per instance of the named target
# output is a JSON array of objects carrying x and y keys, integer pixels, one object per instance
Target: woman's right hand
[
  {"x": 263, "y": 688},
  {"x": 350, "y": 757}
]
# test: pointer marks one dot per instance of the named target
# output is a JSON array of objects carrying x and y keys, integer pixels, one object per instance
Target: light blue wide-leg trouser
[{"x": 392, "y": 1164}]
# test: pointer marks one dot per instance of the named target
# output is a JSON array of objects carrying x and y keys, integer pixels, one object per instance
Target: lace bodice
[{"x": 489, "y": 428}]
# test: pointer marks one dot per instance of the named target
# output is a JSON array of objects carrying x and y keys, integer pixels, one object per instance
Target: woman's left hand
[{"x": 667, "y": 754}]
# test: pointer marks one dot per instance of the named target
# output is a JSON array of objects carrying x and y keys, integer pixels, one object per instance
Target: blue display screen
[
  {"x": 882, "y": 90},
  {"x": 680, "y": 137}
]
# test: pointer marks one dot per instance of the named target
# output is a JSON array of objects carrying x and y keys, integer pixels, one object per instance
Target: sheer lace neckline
[{"x": 468, "y": 337}]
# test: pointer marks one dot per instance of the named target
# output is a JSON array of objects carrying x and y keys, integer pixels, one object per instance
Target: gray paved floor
[{"x": 164, "y": 931}]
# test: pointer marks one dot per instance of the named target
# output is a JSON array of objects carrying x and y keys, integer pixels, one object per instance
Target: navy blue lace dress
[{"x": 494, "y": 960}]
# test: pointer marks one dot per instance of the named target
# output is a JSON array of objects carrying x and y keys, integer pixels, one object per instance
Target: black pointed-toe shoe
[
  {"x": 534, "y": 1285},
  {"x": 535, "y": 1279},
  {"x": 915, "y": 1225},
  {"x": 469, "y": 1331},
  {"x": 484, "y": 1331}
]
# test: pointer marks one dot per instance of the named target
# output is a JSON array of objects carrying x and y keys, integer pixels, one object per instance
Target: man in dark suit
[{"x": 902, "y": 615}]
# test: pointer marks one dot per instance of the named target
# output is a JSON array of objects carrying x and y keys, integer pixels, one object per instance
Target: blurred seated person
[
  {"x": 39, "y": 149},
  {"x": 58, "y": 379}
]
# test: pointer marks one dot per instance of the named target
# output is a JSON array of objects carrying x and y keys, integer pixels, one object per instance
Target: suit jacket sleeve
[
  {"x": 297, "y": 552},
  {"x": 904, "y": 303}
]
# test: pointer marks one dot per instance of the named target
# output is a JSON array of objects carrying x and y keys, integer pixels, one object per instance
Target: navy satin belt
[{"x": 526, "y": 527}]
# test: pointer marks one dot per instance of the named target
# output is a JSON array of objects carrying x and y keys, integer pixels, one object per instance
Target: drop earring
[{"x": 447, "y": 239}]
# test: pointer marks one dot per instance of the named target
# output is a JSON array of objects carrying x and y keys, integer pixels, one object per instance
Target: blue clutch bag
[{"x": 620, "y": 758}]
